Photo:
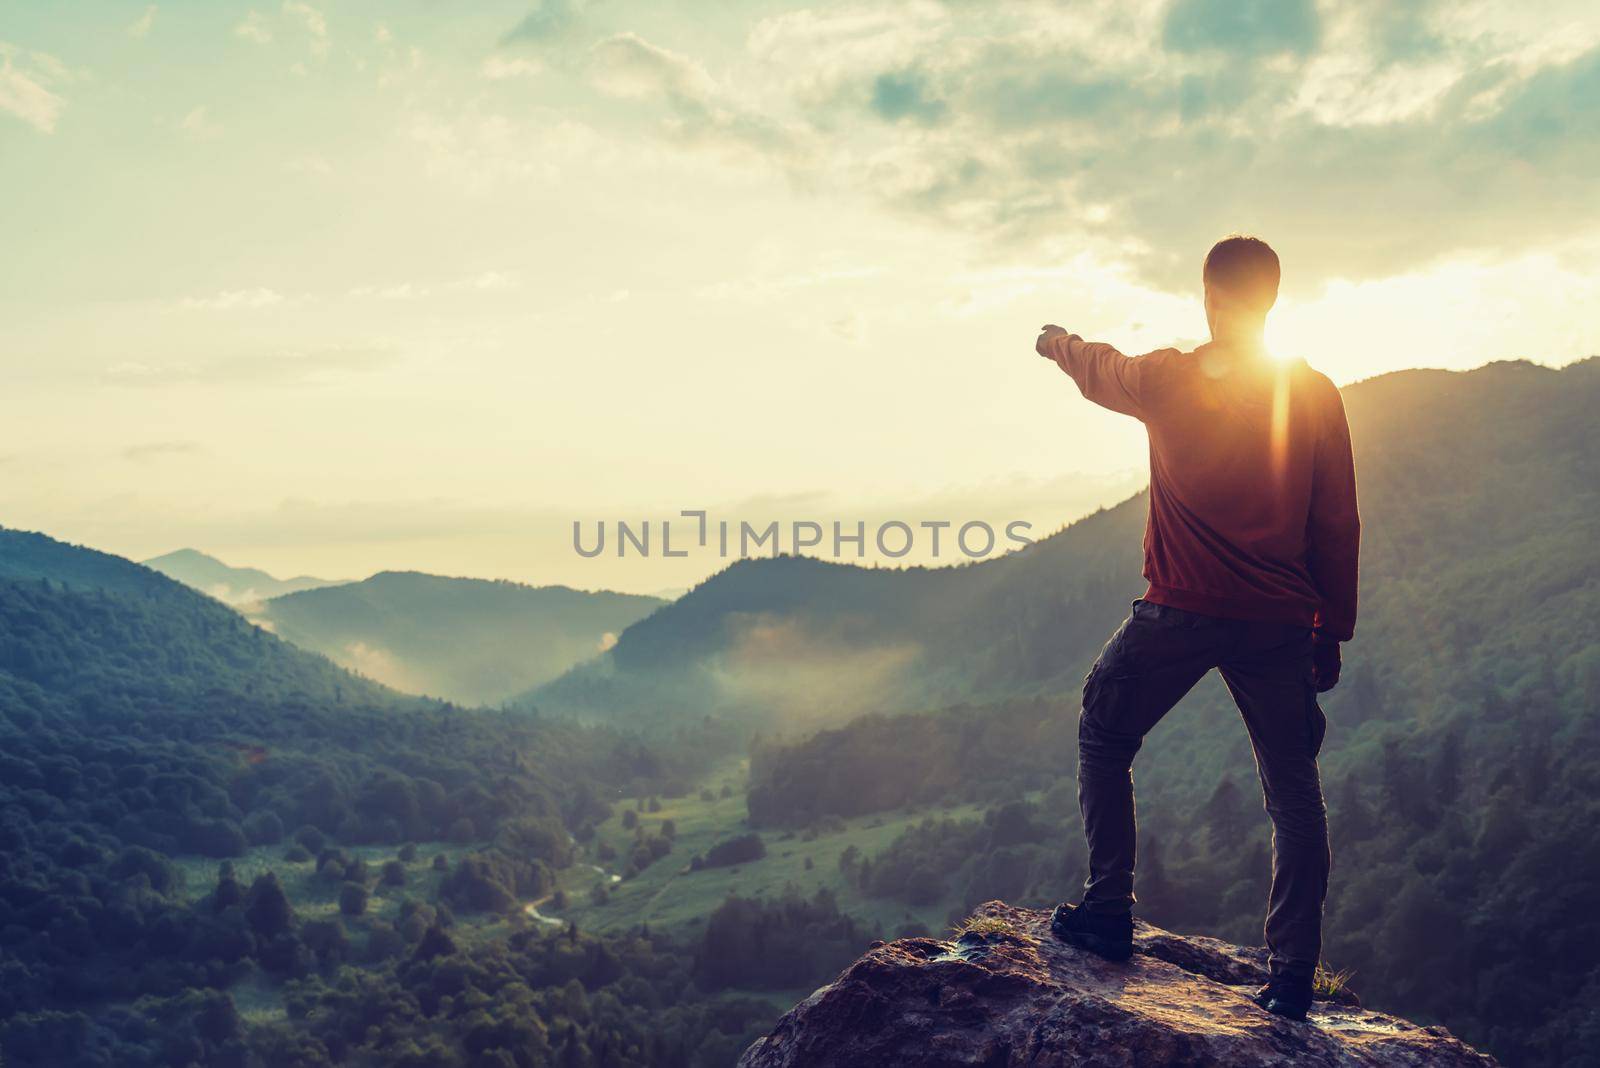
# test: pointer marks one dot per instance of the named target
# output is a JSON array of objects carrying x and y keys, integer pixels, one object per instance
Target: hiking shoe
[
  {"x": 1108, "y": 936},
  {"x": 1289, "y": 998}
]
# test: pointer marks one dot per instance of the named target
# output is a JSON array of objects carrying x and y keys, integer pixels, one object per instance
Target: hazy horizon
[
  {"x": 1048, "y": 506},
  {"x": 332, "y": 290}
]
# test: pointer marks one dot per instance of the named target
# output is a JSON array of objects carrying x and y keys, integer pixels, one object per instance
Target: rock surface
[{"x": 1016, "y": 996}]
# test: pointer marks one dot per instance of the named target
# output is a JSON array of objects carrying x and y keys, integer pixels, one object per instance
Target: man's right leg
[
  {"x": 1145, "y": 669},
  {"x": 1271, "y": 680}
]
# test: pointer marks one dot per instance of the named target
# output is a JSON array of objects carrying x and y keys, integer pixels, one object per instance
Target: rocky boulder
[{"x": 1007, "y": 993}]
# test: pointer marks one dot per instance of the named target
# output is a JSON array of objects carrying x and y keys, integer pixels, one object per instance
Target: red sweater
[{"x": 1252, "y": 484}]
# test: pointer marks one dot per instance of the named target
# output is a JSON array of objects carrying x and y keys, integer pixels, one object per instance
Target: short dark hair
[{"x": 1245, "y": 270}]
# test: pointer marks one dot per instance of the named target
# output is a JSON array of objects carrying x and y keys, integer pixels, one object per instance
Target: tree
[
  {"x": 737, "y": 850},
  {"x": 267, "y": 907},
  {"x": 1447, "y": 768},
  {"x": 228, "y": 891},
  {"x": 326, "y": 939},
  {"x": 1223, "y": 814},
  {"x": 352, "y": 899}
]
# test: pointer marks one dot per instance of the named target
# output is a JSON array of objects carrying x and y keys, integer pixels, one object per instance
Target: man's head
[{"x": 1241, "y": 278}]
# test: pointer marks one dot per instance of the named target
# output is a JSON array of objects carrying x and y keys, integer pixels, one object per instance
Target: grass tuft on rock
[
  {"x": 990, "y": 925},
  {"x": 1328, "y": 983}
]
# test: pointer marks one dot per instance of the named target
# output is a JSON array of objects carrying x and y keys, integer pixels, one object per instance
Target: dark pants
[{"x": 1155, "y": 658}]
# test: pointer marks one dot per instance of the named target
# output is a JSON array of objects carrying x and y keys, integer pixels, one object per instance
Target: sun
[{"x": 1276, "y": 350}]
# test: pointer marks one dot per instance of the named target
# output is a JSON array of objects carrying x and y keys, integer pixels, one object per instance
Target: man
[{"x": 1250, "y": 551}]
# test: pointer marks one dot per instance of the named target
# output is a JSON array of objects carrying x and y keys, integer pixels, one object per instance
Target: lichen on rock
[{"x": 1006, "y": 993}]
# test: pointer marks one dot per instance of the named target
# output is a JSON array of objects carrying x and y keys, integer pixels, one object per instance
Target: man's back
[{"x": 1252, "y": 487}]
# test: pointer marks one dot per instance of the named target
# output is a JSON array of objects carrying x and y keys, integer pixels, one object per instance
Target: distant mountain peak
[
  {"x": 231, "y": 585},
  {"x": 183, "y": 556}
]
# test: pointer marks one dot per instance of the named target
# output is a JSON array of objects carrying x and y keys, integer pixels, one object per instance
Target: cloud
[
  {"x": 197, "y": 123},
  {"x": 234, "y": 299},
  {"x": 380, "y": 665},
  {"x": 1375, "y": 199},
  {"x": 700, "y": 111},
  {"x": 315, "y": 23},
  {"x": 1404, "y": 30},
  {"x": 499, "y": 68},
  {"x": 485, "y": 281},
  {"x": 154, "y": 450},
  {"x": 1368, "y": 139},
  {"x": 551, "y": 19},
  {"x": 1242, "y": 27},
  {"x": 279, "y": 367},
  {"x": 253, "y": 28},
  {"x": 140, "y": 27},
  {"x": 23, "y": 92},
  {"x": 627, "y": 65},
  {"x": 397, "y": 291}
]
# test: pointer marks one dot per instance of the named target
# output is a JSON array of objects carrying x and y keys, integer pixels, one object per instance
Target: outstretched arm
[{"x": 1103, "y": 374}]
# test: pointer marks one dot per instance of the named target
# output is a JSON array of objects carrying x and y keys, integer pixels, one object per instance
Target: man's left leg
[
  {"x": 1269, "y": 675},
  {"x": 1155, "y": 658}
]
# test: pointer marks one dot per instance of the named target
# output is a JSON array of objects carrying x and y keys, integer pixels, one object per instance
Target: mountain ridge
[
  {"x": 229, "y": 584},
  {"x": 111, "y": 618},
  {"x": 1417, "y": 433},
  {"x": 470, "y": 640}
]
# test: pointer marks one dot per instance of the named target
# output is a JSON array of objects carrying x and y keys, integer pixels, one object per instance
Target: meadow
[{"x": 670, "y": 896}]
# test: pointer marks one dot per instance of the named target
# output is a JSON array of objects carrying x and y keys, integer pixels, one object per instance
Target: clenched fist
[{"x": 1325, "y": 665}]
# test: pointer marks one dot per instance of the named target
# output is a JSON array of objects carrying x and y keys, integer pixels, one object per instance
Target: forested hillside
[
  {"x": 102, "y": 629},
  {"x": 465, "y": 640},
  {"x": 193, "y": 812}
]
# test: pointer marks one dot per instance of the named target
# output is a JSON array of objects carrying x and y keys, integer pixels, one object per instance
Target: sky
[{"x": 333, "y": 288}]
